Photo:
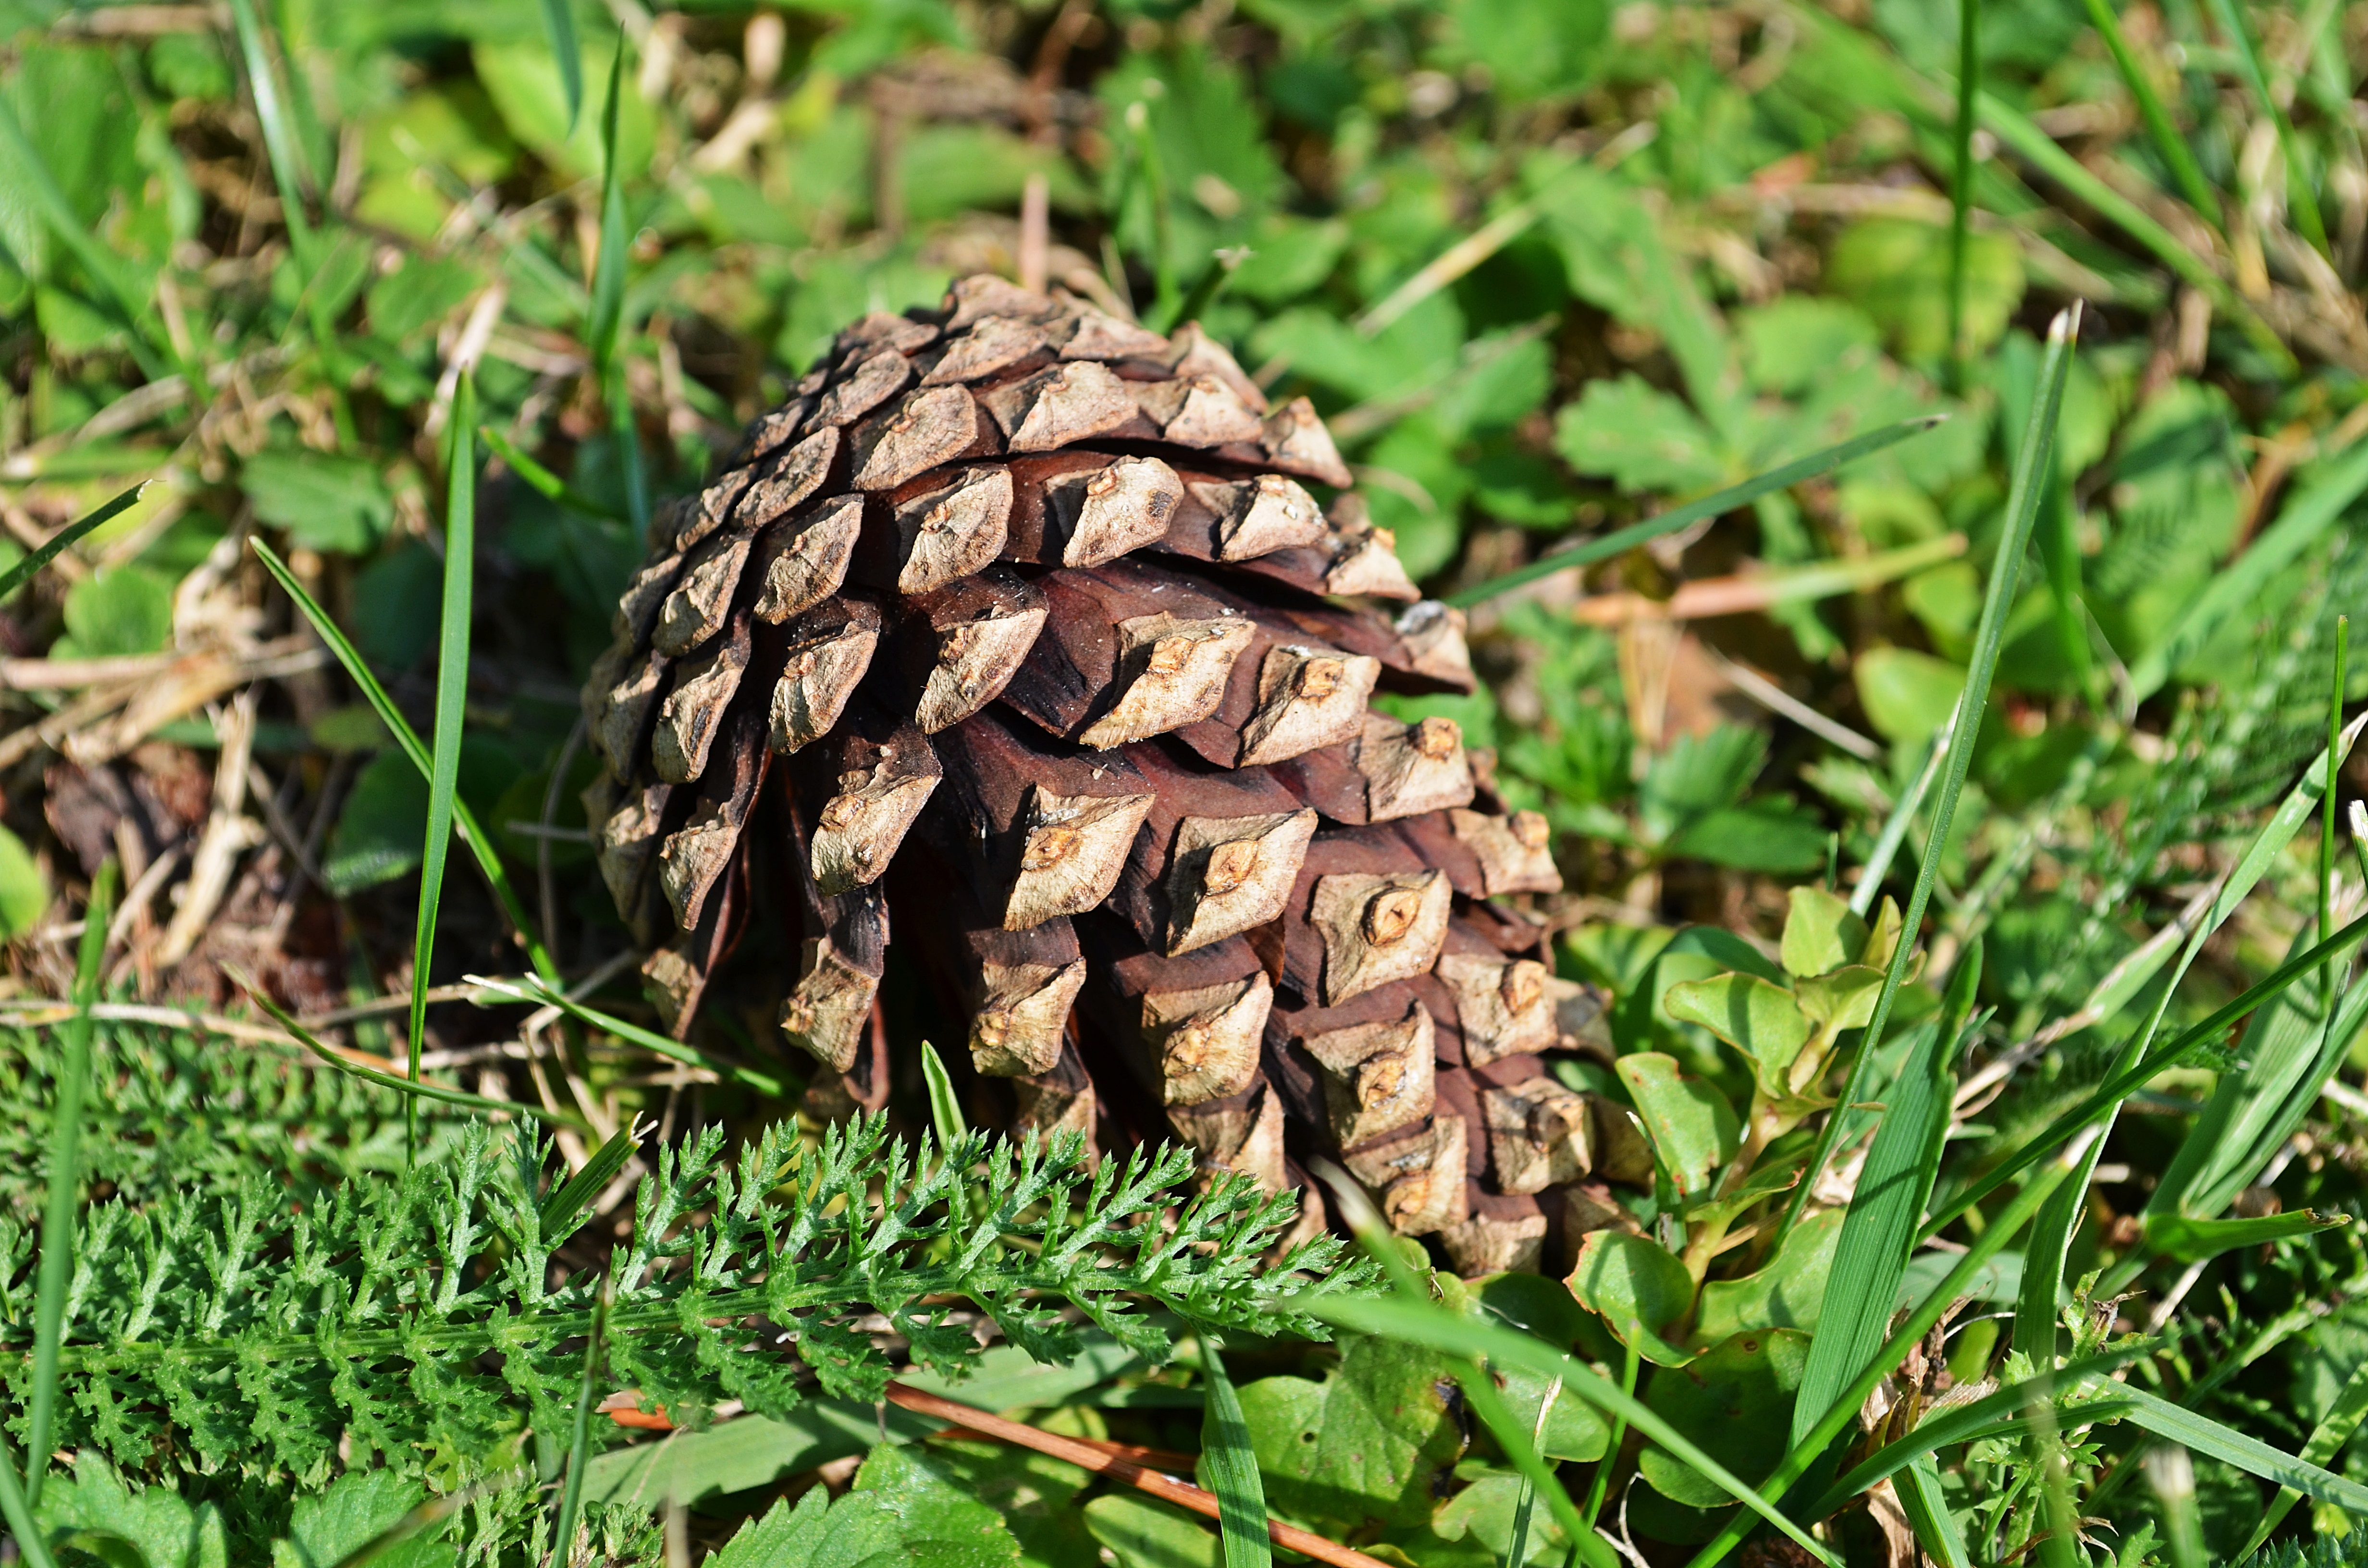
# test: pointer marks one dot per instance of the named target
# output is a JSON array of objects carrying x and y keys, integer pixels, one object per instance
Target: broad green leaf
[
  {"x": 939, "y": 1525},
  {"x": 1761, "y": 1020},
  {"x": 1370, "y": 1441},
  {"x": 24, "y": 887},
  {"x": 1636, "y": 1288},
  {"x": 1474, "y": 1527},
  {"x": 1639, "y": 437},
  {"x": 1898, "y": 270},
  {"x": 1906, "y": 695},
  {"x": 1692, "y": 1128},
  {"x": 526, "y": 85},
  {"x": 1788, "y": 1291},
  {"x": 1821, "y": 932},
  {"x": 1144, "y": 1532},
  {"x": 1035, "y": 1494},
  {"x": 1545, "y": 1307},
  {"x": 1842, "y": 1000},
  {"x": 324, "y": 502},
  {"x": 163, "y": 1529},
  {"x": 326, "y": 1527},
  {"x": 377, "y": 836},
  {"x": 1729, "y": 1400},
  {"x": 1791, "y": 344},
  {"x": 126, "y": 610},
  {"x": 1529, "y": 52}
]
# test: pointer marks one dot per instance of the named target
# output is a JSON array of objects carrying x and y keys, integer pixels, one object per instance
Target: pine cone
[{"x": 1018, "y": 622}]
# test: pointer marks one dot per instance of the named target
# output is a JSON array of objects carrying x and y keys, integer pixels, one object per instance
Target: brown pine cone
[{"x": 1019, "y": 624}]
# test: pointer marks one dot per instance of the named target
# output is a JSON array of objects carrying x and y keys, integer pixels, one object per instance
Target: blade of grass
[
  {"x": 16, "y": 576},
  {"x": 1961, "y": 183},
  {"x": 2303, "y": 199},
  {"x": 2122, "y": 1084},
  {"x": 560, "y": 21},
  {"x": 2034, "y": 466},
  {"x": 2302, "y": 523},
  {"x": 65, "y": 1182},
  {"x": 411, "y": 1089},
  {"x": 465, "y": 822},
  {"x": 2327, "y": 799},
  {"x": 1232, "y": 1466},
  {"x": 2204, "y": 1436},
  {"x": 541, "y": 479},
  {"x": 452, "y": 704},
  {"x": 1905, "y": 1338},
  {"x": 1927, "y": 1508},
  {"x": 2168, "y": 142},
  {"x": 579, "y": 1441},
  {"x": 605, "y": 329},
  {"x": 1903, "y": 817},
  {"x": 2325, "y": 1441},
  {"x": 945, "y": 1104},
  {"x": 1879, "y": 1231},
  {"x": 12, "y": 1508},
  {"x": 280, "y": 142},
  {"x": 566, "y": 1204},
  {"x": 1618, "y": 540},
  {"x": 542, "y": 994}
]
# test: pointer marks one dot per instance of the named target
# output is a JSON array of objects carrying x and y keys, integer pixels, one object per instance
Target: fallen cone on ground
[{"x": 1023, "y": 635}]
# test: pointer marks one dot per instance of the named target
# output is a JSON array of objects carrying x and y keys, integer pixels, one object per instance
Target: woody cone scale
[{"x": 1031, "y": 637}]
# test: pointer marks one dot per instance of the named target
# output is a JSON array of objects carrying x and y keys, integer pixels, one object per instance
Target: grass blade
[
  {"x": 1927, "y": 1508},
  {"x": 579, "y": 1441},
  {"x": 2327, "y": 1440},
  {"x": 561, "y": 22},
  {"x": 2127, "y": 1081},
  {"x": 1879, "y": 1231},
  {"x": 1605, "y": 546},
  {"x": 2300, "y": 525},
  {"x": 1902, "y": 816},
  {"x": 1231, "y": 1466},
  {"x": 2034, "y": 469},
  {"x": 410, "y": 1088},
  {"x": 541, "y": 479},
  {"x": 1983, "y": 1418},
  {"x": 279, "y": 142},
  {"x": 606, "y": 326},
  {"x": 66, "y": 1183},
  {"x": 566, "y": 1204},
  {"x": 2202, "y": 1435},
  {"x": 19, "y": 1516},
  {"x": 945, "y": 1104},
  {"x": 465, "y": 822},
  {"x": 2168, "y": 142},
  {"x": 16, "y": 576},
  {"x": 1911, "y": 1331},
  {"x": 1961, "y": 182},
  {"x": 451, "y": 702},
  {"x": 544, "y": 995},
  {"x": 1421, "y": 1323},
  {"x": 2304, "y": 200}
]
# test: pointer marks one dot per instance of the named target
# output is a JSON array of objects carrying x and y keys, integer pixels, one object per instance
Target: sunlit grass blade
[
  {"x": 1927, "y": 1508},
  {"x": 579, "y": 1440},
  {"x": 38, "y": 188},
  {"x": 2326, "y": 803},
  {"x": 2034, "y": 469},
  {"x": 279, "y": 142},
  {"x": 542, "y": 480},
  {"x": 410, "y": 1088},
  {"x": 2325, "y": 1441},
  {"x": 560, "y": 20},
  {"x": 16, "y": 576},
  {"x": 19, "y": 1516},
  {"x": 1230, "y": 1467},
  {"x": 2202, "y": 1435},
  {"x": 606, "y": 325},
  {"x": 945, "y": 1104},
  {"x": 2000, "y": 1229},
  {"x": 2301, "y": 524},
  {"x": 65, "y": 1180},
  {"x": 1896, "y": 826},
  {"x": 480, "y": 843},
  {"x": 451, "y": 709},
  {"x": 564, "y": 1204},
  {"x": 2122, "y": 1084},
  {"x": 1618, "y": 540},
  {"x": 548, "y": 995},
  {"x": 1422, "y": 1322},
  {"x": 2299, "y": 195},
  {"x": 1961, "y": 181},
  {"x": 2168, "y": 142},
  {"x": 1879, "y": 1231}
]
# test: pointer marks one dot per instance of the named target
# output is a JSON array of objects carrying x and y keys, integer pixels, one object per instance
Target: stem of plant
[{"x": 2326, "y": 806}]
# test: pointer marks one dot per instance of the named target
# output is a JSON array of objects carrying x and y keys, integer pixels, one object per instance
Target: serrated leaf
[
  {"x": 326, "y": 503},
  {"x": 1640, "y": 437}
]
